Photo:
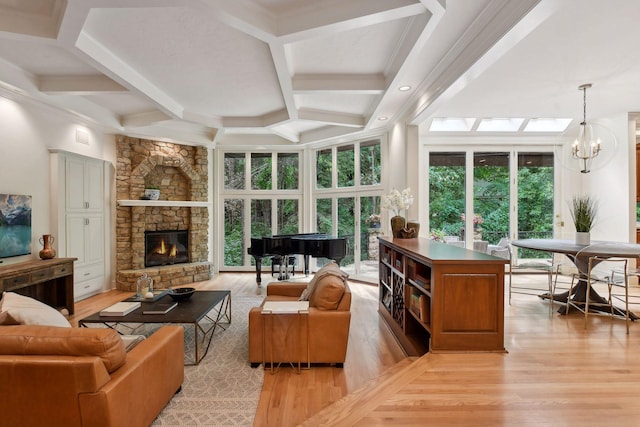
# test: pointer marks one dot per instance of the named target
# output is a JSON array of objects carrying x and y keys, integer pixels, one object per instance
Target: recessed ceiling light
[
  {"x": 383, "y": 118},
  {"x": 404, "y": 88}
]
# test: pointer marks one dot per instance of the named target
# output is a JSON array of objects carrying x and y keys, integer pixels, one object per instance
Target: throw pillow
[
  {"x": 328, "y": 293},
  {"x": 18, "y": 309},
  {"x": 332, "y": 268},
  {"x": 104, "y": 343}
]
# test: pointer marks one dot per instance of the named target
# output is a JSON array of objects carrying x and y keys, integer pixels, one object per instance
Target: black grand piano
[{"x": 316, "y": 245}]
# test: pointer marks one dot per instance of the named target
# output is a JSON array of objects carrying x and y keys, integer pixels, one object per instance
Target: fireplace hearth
[{"x": 166, "y": 247}]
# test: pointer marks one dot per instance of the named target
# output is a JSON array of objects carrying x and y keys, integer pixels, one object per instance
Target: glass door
[{"x": 511, "y": 195}]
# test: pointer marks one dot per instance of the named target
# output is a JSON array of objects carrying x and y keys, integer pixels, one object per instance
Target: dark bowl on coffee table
[{"x": 181, "y": 294}]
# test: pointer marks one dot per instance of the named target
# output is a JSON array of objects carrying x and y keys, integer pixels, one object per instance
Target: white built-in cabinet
[{"x": 79, "y": 218}]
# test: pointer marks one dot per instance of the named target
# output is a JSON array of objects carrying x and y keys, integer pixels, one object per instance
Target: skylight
[
  {"x": 500, "y": 125},
  {"x": 547, "y": 125},
  {"x": 451, "y": 124}
]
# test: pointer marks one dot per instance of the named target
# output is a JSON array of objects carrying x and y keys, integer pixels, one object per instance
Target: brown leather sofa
[
  {"x": 328, "y": 334},
  {"x": 52, "y": 376}
]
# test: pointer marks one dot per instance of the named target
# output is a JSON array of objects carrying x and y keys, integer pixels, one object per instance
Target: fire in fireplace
[{"x": 166, "y": 247}]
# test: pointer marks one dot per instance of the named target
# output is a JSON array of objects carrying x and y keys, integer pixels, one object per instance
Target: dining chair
[
  {"x": 610, "y": 272},
  {"x": 504, "y": 250}
]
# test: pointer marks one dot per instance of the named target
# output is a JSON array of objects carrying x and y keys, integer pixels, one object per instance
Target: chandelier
[{"x": 587, "y": 145}]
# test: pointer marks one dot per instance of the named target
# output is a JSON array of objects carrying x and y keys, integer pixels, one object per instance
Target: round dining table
[{"x": 579, "y": 255}]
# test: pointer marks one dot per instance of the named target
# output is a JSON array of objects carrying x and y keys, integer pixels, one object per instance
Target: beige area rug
[{"x": 223, "y": 390}]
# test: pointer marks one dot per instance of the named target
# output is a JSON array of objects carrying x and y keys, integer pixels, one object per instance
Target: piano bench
[{"x": 276, "y": 260}]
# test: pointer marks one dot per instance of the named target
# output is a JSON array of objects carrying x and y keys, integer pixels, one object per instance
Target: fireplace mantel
[{"x": 178, "y": 203}]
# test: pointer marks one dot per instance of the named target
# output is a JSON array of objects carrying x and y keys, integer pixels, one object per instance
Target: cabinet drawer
[
  {"x": 87, "y": 288},
  {"x": 15, "y": 282},
  {"x": 41, "y": 275},
  {"x": 88, "y": 272},
  {"x": 62, "y": 270}
]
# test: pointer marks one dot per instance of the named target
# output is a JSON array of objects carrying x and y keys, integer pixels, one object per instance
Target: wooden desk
[
  {"x": 440, "y": 297},
  {"x": 49, "y": 281}
]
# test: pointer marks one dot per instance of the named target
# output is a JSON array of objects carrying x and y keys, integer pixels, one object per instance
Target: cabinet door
[
  {"x": 74, "y": 175},
  {"x": 75, "y": 235},
  {"x": 93, "y": 239},
  {"x": 93, "y": 185}
]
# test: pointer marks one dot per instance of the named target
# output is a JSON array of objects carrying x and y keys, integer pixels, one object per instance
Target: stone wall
[{"x": 181, "y": 174}]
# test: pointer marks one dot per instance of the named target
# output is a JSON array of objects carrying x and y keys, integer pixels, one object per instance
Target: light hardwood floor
[{"x": 555, "y": 373}]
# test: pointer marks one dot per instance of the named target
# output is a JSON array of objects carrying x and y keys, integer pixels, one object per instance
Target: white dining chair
[
  {"x": 504, "y": 250},
  {"x": 609, "y": 272}
]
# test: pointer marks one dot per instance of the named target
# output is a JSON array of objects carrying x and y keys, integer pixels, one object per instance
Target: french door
[{"x": 478, "y": 197}]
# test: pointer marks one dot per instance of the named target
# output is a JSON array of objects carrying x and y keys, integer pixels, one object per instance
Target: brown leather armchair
[
  {"x": 53, "y": 376},
  {"x": 328, "y": 328}
]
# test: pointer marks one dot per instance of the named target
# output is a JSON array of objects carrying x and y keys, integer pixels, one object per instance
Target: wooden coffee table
[{"x": 205, "y": 311}]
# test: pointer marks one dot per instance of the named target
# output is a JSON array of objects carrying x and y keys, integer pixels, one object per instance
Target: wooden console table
[
  {"x": 49, "y": 281},
  {"x": 441, "y": 298}
]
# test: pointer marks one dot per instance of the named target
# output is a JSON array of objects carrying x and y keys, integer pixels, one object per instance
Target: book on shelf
[
  {"x": 120, "y": 309},
  {"x": 161, "y": 308},
  {"x": 424, "y": 309}
]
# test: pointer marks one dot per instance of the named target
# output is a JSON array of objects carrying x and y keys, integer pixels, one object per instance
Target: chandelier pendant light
[{"x": 586, "y": 147}]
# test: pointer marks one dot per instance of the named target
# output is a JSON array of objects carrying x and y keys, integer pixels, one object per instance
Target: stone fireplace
[{"x": 181, "y": 174}]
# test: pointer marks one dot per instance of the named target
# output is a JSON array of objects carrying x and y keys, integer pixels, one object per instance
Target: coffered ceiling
[{"x": 217, "y": 72}]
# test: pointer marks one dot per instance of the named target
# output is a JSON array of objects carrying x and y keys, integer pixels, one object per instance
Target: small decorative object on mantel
[
  {"x": 151, "y": 193},
  {"x": 583, "y": 213},
  {"x": 47, "y": 251},
  {"x": 397, "y": 201}
]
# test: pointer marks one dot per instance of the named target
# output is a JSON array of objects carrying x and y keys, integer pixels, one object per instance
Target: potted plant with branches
[{"x": 584, "y": 210}]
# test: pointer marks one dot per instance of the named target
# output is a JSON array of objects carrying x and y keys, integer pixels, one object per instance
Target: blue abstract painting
[{"x": 15, "y": 225}]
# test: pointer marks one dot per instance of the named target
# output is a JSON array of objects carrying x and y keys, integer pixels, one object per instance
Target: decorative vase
[
  {"x": 144, "y": 285},
  {"x": 397, "y": 224},
  {"x": 152, "y": 193},
  {"x": 416, "y": 227},
  {"x": 583, "y": 238},
  {"x": 47, "y": 251}
]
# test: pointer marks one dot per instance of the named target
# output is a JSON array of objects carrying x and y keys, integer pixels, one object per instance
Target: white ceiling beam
[
  {"x": 245, "y": 16},
  {"x": 323, "y": 133},
  {"x": 271, "y": 119},
  {"x": 256, "y": 21},
  {"x": 77, "y": 11},
  {"x": 331, "y": 117},
  {"x": 287, "y": 134},
  {"x": 107, "y": 62},
  {"x": 79, "y": 85},
  {"x": 210, "y": 121},
  {"x": 22, "y": 19},
  {"x": 281, "y": 65},
  {"x": 462, "y": 66},
  {"x": 202, "y": 138},
  {"x": 349, "y": 15},
  {"x": 357, "y": 84},
  {"x": 416, "y": 37},
  {"x": 143, "y": 119},
  {"x": 275, "y": 118}
]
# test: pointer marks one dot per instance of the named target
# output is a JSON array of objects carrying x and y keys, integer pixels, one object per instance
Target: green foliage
[
  {"x": 583, "y": 211},
  {"x": 491, "y": 200}
]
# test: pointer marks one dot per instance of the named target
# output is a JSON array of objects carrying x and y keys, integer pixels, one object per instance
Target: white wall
[
  {"x": 29, "y": 130},
  {"x": 611, "y": 185}
]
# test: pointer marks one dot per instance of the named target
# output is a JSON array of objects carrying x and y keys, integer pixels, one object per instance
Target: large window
[
  {"x": 348, "y": 190},
  {"x": 262, "y": 197}
]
